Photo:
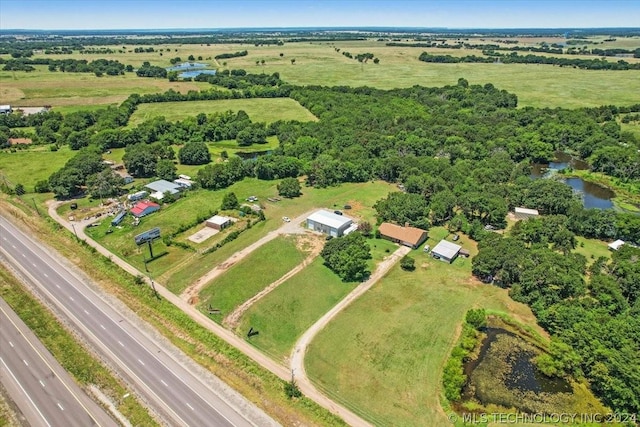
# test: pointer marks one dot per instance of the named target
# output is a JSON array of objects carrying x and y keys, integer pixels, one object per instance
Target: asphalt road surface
[
  {"x": 39, "y": 386},
  {"x": 173, "y": 390}
]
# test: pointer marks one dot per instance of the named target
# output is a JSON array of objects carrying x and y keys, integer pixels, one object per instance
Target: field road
[
  {"x": 43, "y": 391},
  {"x": 179, "y": 395},
  {"x": 300, "y": 348},
  {"x": 232, "y": 339},
  {"x": 292, "y": 227}
]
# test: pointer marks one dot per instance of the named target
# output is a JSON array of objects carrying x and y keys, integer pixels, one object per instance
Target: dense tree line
[
  {"x": 98, "y": 66},
  {"x": 514, "y": 58},
  {"x": 232, "y": 54},
  {"x": 148, "y": 70},
  {"x": 597, "y": 319}
]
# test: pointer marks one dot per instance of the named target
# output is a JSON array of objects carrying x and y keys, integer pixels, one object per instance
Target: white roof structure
[
  {"x": 162, "y": 186},
  {"x": 446, "y": 249},
  {"x": 219, "y": 220},
  {"x": 329, "y": 219},
  {"x": 616, "y": 245},
  {"x": 182, "y": 182},
  {"x": 526, "y": 211}
]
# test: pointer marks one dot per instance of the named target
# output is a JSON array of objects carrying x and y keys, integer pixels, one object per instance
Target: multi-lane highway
[
  {"x": 178, "y": 394},
  {"x": 40, "y": 387}
]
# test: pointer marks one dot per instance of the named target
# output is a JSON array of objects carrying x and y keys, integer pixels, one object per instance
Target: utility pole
[{"x": 74, "y": 230}]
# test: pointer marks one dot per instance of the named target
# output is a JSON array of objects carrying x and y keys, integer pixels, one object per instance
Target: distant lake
[{"x": 195, "y": 73}]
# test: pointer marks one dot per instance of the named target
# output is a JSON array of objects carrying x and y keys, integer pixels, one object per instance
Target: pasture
[
  {"x": 250, "y": 275},
  {"x": 259, "y": 110},
  {"x": 383, "y": 355},
  {"x": 31, "y": 165},
  {"x": 319, "y": 63}
]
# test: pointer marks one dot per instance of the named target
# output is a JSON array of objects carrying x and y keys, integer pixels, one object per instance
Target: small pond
[
  {"x": 593, "y": 195},
  {"x": 187, "y": 66},
  {"x": 504, "y": 370},
  {"x": 195, "y": 73}
]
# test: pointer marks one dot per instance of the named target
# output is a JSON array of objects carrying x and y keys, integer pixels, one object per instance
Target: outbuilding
[
  {"x": 218, "y": 222},
  {"x": 144, "y": 208},
  {"x": 137, "y": 196},
  {"x": 162, "y": 186},
  {"x": 118, "y": 218},
  {"x": 407, "y": 236},
  {"x": 446, "y": 251},
  {"x": 328, "y": 223},
  {"x": 524, "y": 213},
  {"x": 614, "y": 246}
]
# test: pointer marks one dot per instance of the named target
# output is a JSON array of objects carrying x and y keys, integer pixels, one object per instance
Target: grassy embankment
[
  {"x": 224, "y": 361},
  {"x": 29, "y": 166},
  {"x": 83, "y": 366},
  {"x": 320, "y": 63}
]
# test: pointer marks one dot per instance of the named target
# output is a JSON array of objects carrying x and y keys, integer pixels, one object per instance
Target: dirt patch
[{"x": 309, "y": 243}]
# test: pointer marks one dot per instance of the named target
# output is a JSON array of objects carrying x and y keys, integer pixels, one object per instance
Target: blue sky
[{"x": 143, "y": 14}]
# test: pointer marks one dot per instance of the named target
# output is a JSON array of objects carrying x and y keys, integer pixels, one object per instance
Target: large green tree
[
  {"x": 194, "y": 153},
  {"x": 289, "y": 187},
  {"x": 347, "y": 256}
]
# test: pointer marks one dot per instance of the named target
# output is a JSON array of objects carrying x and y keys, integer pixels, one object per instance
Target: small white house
[{"x": 614, "y": 246}]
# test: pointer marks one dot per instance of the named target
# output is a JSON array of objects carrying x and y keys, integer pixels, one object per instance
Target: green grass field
[
  {"x": 249, "y": 276},
  {"x": 259, "y": 110},
  {"x": 29, "y": 166},
  {"x": 319, "y": 63},
  {"x": 383, "y": 356},
  {"x": 285, "y": 313}
]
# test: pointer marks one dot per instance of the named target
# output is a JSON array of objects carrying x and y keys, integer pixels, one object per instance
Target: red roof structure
[{"x": 144, "y": 208}]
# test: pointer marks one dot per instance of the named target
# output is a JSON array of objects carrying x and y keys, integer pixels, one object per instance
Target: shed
[
  {"x": 328, "y": 223},
  {"x": 524, "y": 213},
  {"x": 218, "y": 222},
  {"x": 118, "y": 219},
  {"x": 144, "y": 208},
  {"x": 137, "y": 196},
  {"x": 162, "y": 186},
  {"x": 446, "y": 251},
  {"x": 614, "y": 246},
  {"x": 407, "y": 236}
]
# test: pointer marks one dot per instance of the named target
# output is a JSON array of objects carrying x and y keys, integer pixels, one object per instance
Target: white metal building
[
  {"x": 328, "y": 223},
  {"x": 614, "y": 246},
  {"x": 446, "y": 251},
  {"x": 524, "y": 213}
]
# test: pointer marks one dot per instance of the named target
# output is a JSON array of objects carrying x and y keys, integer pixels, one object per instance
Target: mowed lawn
[
  {"x": 383, "y": 356},
  {"x": 29, "y": 166},
  {"x": 259, "y": 109},
  {"x": 249, "y": 276},
  {"x": 289, "y": 310}
]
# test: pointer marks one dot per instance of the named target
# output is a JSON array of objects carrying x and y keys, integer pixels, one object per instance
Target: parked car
[
  {"x": 455, "y": 237},
  {"x": 347, "y": 207},
  {"x": 73, "y": 206},
  {"x": 328, "y": 238},
  {"x": 286, "y": 219},
  {"x": 337, "y": 212},
  {"x": 427, "y": 248}
]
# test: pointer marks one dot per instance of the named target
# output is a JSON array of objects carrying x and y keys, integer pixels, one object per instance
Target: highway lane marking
[
  {"x": 85, "y": 311},
  {"x": 120, "y": 342},
  {"x": 13, "y": 246},
  {"x": 165, "y": 384},
  {"x": 60, "y": 406},
  {"x": 190, "y": 406},
  {"x": 41, "y": 383},
  {"x": 141, "y": 362},
  {"x": 102, "y": 326},
  {"x": 25, "y": 362},
  {"x": 71, "y": 298},
  {"x": 25, "y": 392},
  {"x": 46, "y": 275},
  {"x": 24, "y": 256},
  {"x": 57, "y": 286},
  {"x": 11, "y": 344}
]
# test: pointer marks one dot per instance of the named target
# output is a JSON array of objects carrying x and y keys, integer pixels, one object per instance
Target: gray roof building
[
  {"x": 328, "y": 223},
  {"x": 162, "y": 186},
  {"x": 446, "y": 251}
]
